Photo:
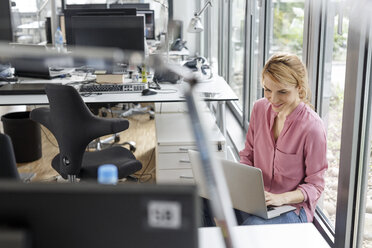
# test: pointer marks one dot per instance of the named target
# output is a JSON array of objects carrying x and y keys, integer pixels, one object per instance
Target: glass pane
[
  {"x": 287, "y": 26},
  {"x": 367, "y": 229},
  {"x": 236, "y": 55},
  {"x": 256, "y": 88},
  {"x": 214, "y": 37},
  {"x": 332, "y": 104},
  {"x": 367, "y": 233}
]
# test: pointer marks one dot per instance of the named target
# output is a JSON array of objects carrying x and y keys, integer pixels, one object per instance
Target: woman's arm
[
  {"x": 291, "y": 197},
  {"x": 246, "y": 155}
]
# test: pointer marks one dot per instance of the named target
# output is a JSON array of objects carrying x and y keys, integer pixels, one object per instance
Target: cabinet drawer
[
  {"x": 182, "y": 176},
  {"x": 184, "y": 148},
  {"x": 173, "y": 161},
  {"x": 178, "y": 160}
]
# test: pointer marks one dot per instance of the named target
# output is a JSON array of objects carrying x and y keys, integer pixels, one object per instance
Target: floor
[{"x": 141, "y": 131}]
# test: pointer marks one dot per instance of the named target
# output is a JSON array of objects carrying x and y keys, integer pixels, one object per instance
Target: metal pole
[{"x": 53, "y": 19}]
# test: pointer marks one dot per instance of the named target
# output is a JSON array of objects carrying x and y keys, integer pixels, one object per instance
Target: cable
[
  {"x": 143, "y": 172},
  {"x": 47, "y": 137}
]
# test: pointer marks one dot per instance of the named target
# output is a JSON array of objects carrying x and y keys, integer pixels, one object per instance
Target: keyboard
[{"x": 113, "y": 88}]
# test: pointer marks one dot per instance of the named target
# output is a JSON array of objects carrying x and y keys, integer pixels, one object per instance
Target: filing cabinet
[{"x": 174, "y": 138}]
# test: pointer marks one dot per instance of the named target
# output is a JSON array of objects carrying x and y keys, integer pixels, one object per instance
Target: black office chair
[
  {"x": 74, "y": 127},
  {"x": 8, "y": 165}
]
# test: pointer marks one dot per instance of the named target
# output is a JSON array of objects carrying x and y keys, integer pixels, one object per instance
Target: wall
[{"x": 183, "y": 10}]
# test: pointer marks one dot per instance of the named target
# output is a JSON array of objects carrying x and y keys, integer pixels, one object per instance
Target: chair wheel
[
  {"x": 132, "y": 145},
  {"x": 132, "y": 148}
]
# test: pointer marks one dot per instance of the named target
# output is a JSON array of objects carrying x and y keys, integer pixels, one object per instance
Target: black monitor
[
  {"x": 96, "y": 216},
  {"x": 124, "y": 32},
  {"x": 69, "y": 13},
  {"x": 6, "y": 33},
  {"x": 149, "y": 23}
]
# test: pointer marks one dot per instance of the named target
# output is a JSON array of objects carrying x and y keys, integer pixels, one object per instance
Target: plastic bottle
[
  {"x": 58, "y": 40},
  {"x": 108, "y": 174},
  {"x": 144, "y": 74}
]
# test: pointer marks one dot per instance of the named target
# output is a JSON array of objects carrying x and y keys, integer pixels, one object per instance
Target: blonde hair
[{"x": 288, "y": 69}]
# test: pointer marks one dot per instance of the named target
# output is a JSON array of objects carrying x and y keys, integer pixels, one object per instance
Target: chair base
[{"x": 117, "y": 155}]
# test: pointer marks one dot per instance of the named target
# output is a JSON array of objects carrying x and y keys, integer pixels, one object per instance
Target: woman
[{"x": 287, "y": 141}]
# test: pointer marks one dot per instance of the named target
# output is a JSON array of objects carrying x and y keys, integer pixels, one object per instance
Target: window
[
  {"x": 333, "y": 99},
  {"x": 287, "y": 26},
  {"x": 236, "y": 49}
]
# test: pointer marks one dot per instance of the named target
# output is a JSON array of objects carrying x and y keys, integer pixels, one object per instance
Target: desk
[
  {"x": 264, "y": 236},
  {"x": 213, "y": 90}
]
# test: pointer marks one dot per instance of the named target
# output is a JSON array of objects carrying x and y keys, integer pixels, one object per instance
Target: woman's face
[{"x": 284, "y": 98}]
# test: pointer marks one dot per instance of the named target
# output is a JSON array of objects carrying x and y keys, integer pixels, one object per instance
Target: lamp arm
[
  {"x": 43, "y": 5},
  {"x": 202, "y": 10}
]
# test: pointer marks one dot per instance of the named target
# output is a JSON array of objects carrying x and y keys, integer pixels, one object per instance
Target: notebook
[{"x": 245, "y": 185}]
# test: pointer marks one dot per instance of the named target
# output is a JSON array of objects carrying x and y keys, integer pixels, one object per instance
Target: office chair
[
  {"x": 8, "y": 165},
  {"x": 74, "y": 126}
]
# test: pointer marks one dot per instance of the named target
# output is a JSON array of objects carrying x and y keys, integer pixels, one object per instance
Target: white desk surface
[
  {"x": 212, "y": 90},
  {"x": 265, "y": 236}
]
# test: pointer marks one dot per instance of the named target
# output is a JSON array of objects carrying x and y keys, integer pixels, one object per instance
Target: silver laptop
[{"x": 245, "y": 186}]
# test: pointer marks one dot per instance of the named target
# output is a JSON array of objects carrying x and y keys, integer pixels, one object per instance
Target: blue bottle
[{"x": 107, "y": 174}]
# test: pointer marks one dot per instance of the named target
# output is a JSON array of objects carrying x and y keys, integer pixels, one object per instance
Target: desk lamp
[{"x": 195, "y": 25}]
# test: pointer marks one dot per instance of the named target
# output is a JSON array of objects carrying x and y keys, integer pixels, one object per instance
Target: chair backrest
[
  {"x": 8, "y": 166},
  {"x": 70, "y": 121}
]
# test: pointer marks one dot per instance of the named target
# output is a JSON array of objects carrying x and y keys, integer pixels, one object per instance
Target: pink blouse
[{"x": 297, "y": 160}]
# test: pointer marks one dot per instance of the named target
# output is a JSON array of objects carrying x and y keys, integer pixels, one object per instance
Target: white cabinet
[{"x": 174, "y": 138}]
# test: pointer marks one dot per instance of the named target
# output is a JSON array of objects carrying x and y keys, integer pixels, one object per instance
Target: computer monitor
[
  {"x": 149, "y": 22},
  {"x": 124, "y": 32},
  {"x": 69, "y": 13},
  {"x": 96, "y": 216},
  {"x": 6, "y": 32}
]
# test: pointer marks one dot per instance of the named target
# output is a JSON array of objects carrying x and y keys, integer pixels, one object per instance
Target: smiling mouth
[{"x": 277, "y": 105}]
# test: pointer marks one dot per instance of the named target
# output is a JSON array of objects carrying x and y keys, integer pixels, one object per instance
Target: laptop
[
  {"x": 23, "y": 89},
  {"x": 35, "y": 67},
  {"x": 245, "y": 185}
]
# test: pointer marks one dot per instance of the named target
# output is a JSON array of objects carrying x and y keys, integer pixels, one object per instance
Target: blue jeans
[{"x": 244, "y": 218}]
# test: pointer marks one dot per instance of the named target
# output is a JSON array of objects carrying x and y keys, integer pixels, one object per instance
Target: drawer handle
[
  {"x": 186, "y": 177},
  {"x": 183, "y": 149},
  {"x": 184, "y": 161}
]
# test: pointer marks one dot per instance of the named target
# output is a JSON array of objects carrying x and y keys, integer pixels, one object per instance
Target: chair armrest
[{"x": 104, "y": 126}]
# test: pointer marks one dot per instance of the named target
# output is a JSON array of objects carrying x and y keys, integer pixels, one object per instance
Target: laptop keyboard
[
  {"x": 269, "y": 208},
  {"x": 112, "y": 88}
]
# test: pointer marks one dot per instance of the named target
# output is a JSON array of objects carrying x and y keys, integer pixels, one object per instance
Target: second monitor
[{"x": 106, "y": 28}]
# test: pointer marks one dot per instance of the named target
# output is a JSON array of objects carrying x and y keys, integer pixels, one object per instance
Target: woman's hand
[
  {"x": 274, "y": 199},
  {"x": 277, "y": 200}
]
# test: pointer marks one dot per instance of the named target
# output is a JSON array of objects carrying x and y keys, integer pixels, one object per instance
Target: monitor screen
[
  {"x": 124, "y": 32},
  {"x": 69, "y": 13},
  {"x": 96, "y": 216},
  {"x": 149, "y": 23}
]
